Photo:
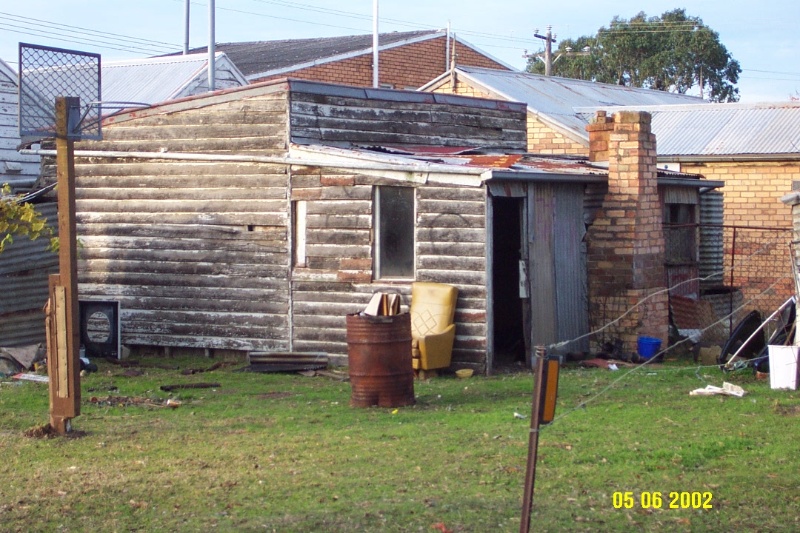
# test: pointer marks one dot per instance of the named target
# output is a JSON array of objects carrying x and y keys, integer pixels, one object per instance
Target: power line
[
  {"x": 306, "y": 7},
  {"x": 74, "y": 39},
  {"x": 88, "y": 31},
  {"x": 289, "y": 19},
  {"x": 76, "y": 34},
  {"x": 771, "y": 72},
  {"x": 113, "y": 41},
  {"x": 769, "y": 79},
  {"x": 79, "y": 35},
  {"x": 654, "y": 30},
  {"x": 355, "y": 15}
]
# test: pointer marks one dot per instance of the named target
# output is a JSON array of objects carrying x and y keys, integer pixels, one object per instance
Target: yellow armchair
[{"x": 433, "y": 307}]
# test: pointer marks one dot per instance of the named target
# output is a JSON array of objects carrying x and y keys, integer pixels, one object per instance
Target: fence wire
[{"x": 738, "y": 269}]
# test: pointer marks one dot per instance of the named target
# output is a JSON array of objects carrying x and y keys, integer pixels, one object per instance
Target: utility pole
[
  {"x": 548, "y": 39},
  {"x": 63, "y": 333}
]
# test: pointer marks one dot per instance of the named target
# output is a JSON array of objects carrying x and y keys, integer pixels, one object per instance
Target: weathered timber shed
[
  {"x": 257, "y": 218},
  {"x": 17, "y": 170}
]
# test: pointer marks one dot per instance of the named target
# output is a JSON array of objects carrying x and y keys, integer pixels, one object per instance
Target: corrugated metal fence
[{"x": 24, "y": 268}]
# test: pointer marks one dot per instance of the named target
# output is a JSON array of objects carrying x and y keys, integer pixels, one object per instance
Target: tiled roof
[{"x": 266, "y": 57}]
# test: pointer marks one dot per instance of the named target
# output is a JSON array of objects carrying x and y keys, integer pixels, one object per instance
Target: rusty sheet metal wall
[
  {"x": 559, "y": 296},
  {"x": 24, "y": 268}
]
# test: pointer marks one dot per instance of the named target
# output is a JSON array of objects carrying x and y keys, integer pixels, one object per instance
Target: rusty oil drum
[{"x": 379, "y": 357}]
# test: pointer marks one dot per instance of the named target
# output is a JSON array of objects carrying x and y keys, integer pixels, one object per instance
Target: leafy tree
[
  {"x": 21, "y": 219},
  {"x": 672, "y": 52}
]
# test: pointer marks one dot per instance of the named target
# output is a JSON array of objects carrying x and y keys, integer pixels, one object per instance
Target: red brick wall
[
  {"x": 408, "y": 66},
  {"x": 626, "y": 240}
]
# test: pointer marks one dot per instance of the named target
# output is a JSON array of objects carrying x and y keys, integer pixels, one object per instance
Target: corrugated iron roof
[
  {"x": 557, "y": 98},
  {"x": 158, "y": 79},
  {"x": 514, "y": 162},
  {"x": 8, "y": 73},
  {"x": 724, "y": 129}
]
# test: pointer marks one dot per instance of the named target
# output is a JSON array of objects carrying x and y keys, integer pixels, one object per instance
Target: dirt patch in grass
[
  {"x": 788, "y": 410},
  {"x": 124, "y": 401},
  {"x": 48, "y": 432},
  {"x": 274, "y": 395}
]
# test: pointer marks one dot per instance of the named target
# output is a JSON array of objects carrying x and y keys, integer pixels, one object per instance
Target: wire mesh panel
[
  {"x": 46, "y": 73},
  {"x": 758, "y": 262},
  {"x": 750, "y": 269}
]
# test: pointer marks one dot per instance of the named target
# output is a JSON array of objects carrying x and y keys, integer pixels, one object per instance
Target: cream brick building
[{"x": 753, "y": 148}]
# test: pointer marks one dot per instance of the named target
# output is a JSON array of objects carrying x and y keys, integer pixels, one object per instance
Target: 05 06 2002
[{"x": 656, "y": 500}]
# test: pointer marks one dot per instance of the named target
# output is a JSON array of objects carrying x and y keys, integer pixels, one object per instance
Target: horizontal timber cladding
[
  {"x": 338, "y": 280},
  {"x": 256, "y": 124},
  {"x": 336, "y": 118},
  {"x": 196, "y": 253}
]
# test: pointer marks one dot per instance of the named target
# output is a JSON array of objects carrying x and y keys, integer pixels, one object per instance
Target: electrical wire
[
  {"x": 79, "y": 29},
  {"x": 79, "y": 40},
  {"x": 114, "y": 41},
  {"x": 637, "y": 368}
]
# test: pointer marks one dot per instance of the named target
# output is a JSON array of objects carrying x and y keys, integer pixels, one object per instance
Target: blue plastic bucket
[{"x": 648, "y": 347}]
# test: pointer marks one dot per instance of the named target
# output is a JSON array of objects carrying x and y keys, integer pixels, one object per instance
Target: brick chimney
[
  {"x": 599, "y": 131},
  {"x": 625, "y": 243}
]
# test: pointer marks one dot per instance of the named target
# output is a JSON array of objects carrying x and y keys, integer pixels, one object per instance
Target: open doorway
[{"x": 508, "y": 336}]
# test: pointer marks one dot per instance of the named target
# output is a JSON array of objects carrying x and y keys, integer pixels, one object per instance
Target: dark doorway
[{"x": 508, "y": 331}]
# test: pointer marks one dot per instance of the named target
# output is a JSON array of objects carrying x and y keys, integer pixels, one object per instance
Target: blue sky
[{"x": 763, "y": 36}]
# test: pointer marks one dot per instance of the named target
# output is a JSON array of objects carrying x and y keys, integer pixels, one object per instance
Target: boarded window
[{"x": 394, "y": 232}]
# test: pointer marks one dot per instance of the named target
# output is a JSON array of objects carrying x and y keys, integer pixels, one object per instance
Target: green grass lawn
[{"x": 284, "y": 452}]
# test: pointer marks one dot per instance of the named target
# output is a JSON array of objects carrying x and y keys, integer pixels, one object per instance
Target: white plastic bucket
[{"x": 783, "y": 367}]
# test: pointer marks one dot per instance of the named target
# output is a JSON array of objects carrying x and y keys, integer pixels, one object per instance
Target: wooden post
[
  {"x": 63, "y": 358},
  {"x": 533, "y": 442}
]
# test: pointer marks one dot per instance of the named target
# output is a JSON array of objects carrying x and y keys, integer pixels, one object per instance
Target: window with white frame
[{"x": 394, "y": 232}]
